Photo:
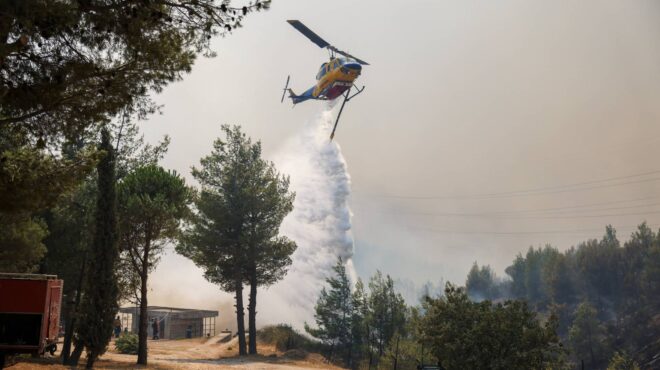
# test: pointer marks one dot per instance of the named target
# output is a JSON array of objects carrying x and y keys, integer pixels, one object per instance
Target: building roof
[
  {"x": 9, "y": 275},
  {"x": 175, "y": 312}
]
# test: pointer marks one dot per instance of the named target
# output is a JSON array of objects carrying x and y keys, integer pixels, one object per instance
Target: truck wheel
[{"x": 52, "y": 349}]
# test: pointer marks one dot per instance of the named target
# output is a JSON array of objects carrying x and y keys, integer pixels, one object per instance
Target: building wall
[
  {"x": 172, "y": 327},
  {"x": 178, "y": 327}
]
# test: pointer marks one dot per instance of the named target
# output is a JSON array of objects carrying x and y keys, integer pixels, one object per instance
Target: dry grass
[{"x": 193, "y": 354}]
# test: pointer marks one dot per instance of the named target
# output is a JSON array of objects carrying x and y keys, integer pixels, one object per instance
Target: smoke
[{"x": 320, "y": 222}]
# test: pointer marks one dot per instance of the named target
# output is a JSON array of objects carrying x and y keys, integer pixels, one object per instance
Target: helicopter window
[{"x": 322, "y": 71}]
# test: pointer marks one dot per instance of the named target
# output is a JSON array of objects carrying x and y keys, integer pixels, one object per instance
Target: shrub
[
  {"x": 127, "y": 343},
  {"x": 285, "y": 338},
  {"x": 621, "y": 361}
]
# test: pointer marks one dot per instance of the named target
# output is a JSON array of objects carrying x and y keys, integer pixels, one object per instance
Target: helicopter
[{"x": 335, "y": 78}]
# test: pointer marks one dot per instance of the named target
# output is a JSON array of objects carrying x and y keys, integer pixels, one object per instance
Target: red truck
[{"x": 29, "y": 313}]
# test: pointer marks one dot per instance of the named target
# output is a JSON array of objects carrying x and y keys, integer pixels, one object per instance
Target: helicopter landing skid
[{"x": 347, "y": 97}]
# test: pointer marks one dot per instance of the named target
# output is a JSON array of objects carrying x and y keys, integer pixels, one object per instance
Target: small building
[{"x": 173, "y": 323}]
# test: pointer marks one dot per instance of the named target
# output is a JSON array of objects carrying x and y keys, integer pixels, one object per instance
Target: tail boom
[{"x": 303, "y": 97}]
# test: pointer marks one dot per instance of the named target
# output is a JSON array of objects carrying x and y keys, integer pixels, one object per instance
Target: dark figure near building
[
  {"x": 117, "y": 327},
  {"x": 189, "y": 331},
  {"x": 154, "y": 327}
]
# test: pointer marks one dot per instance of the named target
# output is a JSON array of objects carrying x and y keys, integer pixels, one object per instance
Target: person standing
[
  {"x": 154, "y": 328},
  {"x": 117, "y": 326}
]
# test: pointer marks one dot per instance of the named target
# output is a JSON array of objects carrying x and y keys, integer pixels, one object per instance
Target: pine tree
[
  {"x": 69, "y": 67},
  {"x": 100, "y": 304},
  {"x": 71, "y": 221},
  {"x": 334, "y": 313},
  {"x": 387, "y": 312},
  {"x": 152, "y": 203},
  {"x": 467, "y": 335},
  {"x": 234, "y": 236},
  {"x": 268, "y": 201},
  {"x": 359, "y": 325},
  {"x": 481, "y": 283},
  {"x": 268, "y": 263},
  {"x": 587, "y": 337},
  {"x": 77, "y": 63}
]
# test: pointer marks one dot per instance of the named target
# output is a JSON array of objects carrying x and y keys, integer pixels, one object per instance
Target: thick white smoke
[{"x": 320, "y": 222}]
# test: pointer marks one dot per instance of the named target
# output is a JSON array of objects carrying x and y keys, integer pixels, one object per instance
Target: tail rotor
[{"x": 286, "y": 88}]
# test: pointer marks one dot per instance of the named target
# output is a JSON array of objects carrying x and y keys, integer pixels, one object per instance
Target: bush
[
  {"x": 285, "y": 338},
  {"x": 127, "y": 343},
  {"x": 621, "y": 361}
]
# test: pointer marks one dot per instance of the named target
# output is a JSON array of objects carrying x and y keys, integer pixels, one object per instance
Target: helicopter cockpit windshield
[{"x": 322, "y": 71}]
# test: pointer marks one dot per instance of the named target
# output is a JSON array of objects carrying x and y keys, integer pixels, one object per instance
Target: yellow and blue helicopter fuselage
[{"x": 333, "y": 79}]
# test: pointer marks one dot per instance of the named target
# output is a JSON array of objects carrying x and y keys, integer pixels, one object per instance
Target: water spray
[{"x": 320, "y": 222}]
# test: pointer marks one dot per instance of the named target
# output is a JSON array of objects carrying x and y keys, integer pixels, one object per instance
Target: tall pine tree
[
  {"x": 153, "y": 201},
  {"x": 269, "y": 201},
  {"x": 334, "y": 314},
  {"x": 234, "y": 236},
  {"x": 99, "y": 304}
]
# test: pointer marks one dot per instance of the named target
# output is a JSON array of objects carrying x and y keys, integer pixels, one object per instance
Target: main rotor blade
[
  {"x": 348, "y": 55},
  {"x": 309, "y": 33}
]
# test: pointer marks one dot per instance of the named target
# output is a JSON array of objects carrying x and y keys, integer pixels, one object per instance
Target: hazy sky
[{"x": 468, "y": 104}]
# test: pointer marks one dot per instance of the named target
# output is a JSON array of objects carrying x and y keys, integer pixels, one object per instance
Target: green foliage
[
  {"x": 70, "y": 225},
  {"x": 71, "y": 220},
  {"x": 234, "y": 237},
  {"x": 21, "y": 246},
  {"x": 360, "y": 329},
  {"x": 588, "y": 337},
  {"x": 620, "y": 282},
  {"x": 127, "y": 343},
  {"x": 219, "y": 238},
  {"x": 334, "y": 313},
  {"x": 481, "y": 283},
  {"x": 75, "y": 64},
  {"x": 30, "y": 181},
  {"x": 560, "y": 279},
  {"x": 99, "y": 304},
  {"x": 468, "y": 335},
  {"x": 621, "y": 361},
  {"x": 69, "y": 68},
  {"x": 404, "y": 351},
  {"x": 152, "y": 203},
  {"x": 358, "y": 326},
  {"x": 387, "y": 313},
  {"x": 517, "y": 274}
]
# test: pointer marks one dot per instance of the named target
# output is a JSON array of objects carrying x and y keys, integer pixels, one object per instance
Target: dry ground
[{"x": 193, "y": 354}]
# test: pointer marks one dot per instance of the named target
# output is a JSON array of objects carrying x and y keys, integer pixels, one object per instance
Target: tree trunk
[
  {"x": 396, "y": 354},
  {"x": 91, "y": 357},
  {"x": 371, "y": 355},
  {"x": 591, "y": 348},
  {"x": 144, "y": 314},
  {"x": 68, "y": 334},
  {"x": 70, "y": 324},
  {"x": 252, "y": 313},
  {"x": 331, "y": 352},
  {"x": 75, "y": 356},
  {"x": 240, "y": 317},
  {"x": 349, "y": 359}
]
